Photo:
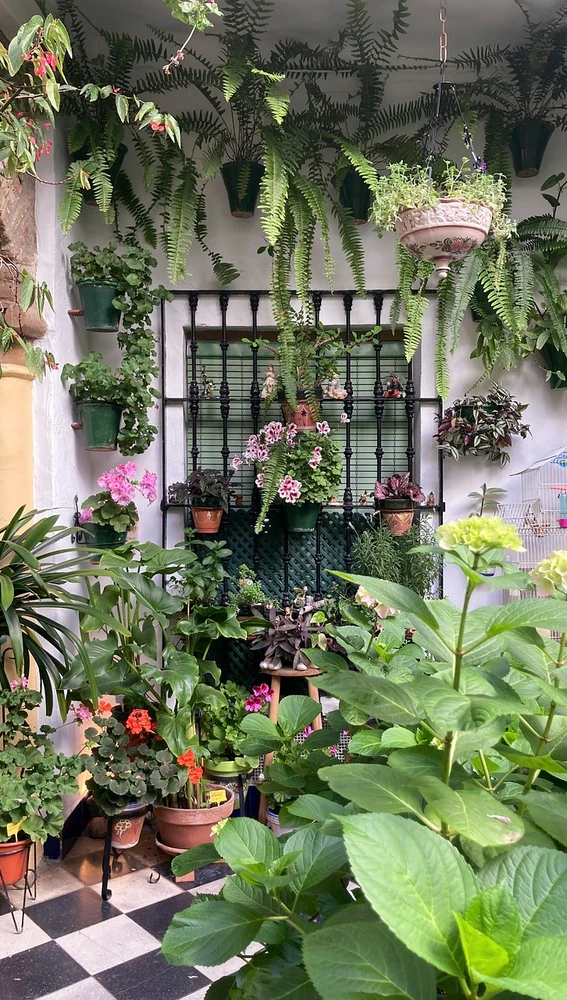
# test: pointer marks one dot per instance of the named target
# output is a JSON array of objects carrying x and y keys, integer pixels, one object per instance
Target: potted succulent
[
  {"x": 33, "y": 777},
  {"x": 249, "y": 596},
  {"x": 130, "y": 770},
  {"x": 302, "y": 471},
  {"x": 99, "y": 275},
  {"x": 106, "y": 517},
  {"x": 219, "y": 729},
  {"x": 288, "y": 635},
  {"x": 208, "y": 493},
  {"x": 397, "y": 499},
  {"x": 482, "y": 425}
]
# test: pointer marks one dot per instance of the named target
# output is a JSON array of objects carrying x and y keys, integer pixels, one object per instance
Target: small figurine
[
  {"x": 269, "y": 387},
  {"x": 394, "y": 388},
  {"x": 363, "y": 499},
  {"x": 430, "y": 502},
  {"x": 334, "y": 389},
  {"x": 334, "y": 502},
  {"x": 300, "y": 597},
  {"x": 207, "y": 385}
]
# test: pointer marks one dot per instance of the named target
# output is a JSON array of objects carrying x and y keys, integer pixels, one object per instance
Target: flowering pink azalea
[
  {"x": 260, "y": 478},
  {"x": 148, "y": 486},
  {"x": 323, "y": 428},
  {"x": 81, "y": 713},
  {"x": 344, "y": 418},
  {"x": 86, "y": 516},
  {"x": 290, "y": 490},
  {"x": 236, "y": 463}
]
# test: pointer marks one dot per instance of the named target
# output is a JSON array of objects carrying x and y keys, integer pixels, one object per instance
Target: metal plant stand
[{"x": 29, "y": 889}]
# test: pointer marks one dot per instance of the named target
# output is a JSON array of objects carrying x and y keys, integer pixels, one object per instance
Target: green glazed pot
[
  {"x": 528, "y": 142},
  {"x": 355, "y": 194},
  {"x": 101, "y": 423},
  {"x": 302, "y": 518},
  {"x": 103, "y": 536},
  {"x": 242, "y": 183},
  {"x": 96, "y": 302}
]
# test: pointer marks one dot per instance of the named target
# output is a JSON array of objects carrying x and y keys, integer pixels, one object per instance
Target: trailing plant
[
  {"x": 128, "y": 766},
  {"x": 410, "y": 187},
  {"x": 204, "y": 488},
  {"x": 114, "y": 506},
  {"x": 33, "y": 777},
  {"x": 452, "y": 828},
  {"x": 376, "y": 552},
  {"x": 482, "y": 425},
  {"x": 219, "y": 725},
  {"x": 130, "y": 385},
  {"x": 281, "y": 456}
]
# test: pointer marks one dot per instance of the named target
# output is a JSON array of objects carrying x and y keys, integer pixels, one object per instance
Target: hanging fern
[
  {"x": 274, "y": 189},
  {"x": 181, "y": 221},
  {"x": 224, "y": 271}
]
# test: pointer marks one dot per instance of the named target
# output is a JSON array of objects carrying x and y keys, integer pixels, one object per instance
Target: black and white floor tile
[{"x": 74, "y": 946}]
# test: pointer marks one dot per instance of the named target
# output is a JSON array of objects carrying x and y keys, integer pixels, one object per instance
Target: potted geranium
[
  {"x": 106, "y": 517},
  {"x": 398, "y": 497},
  {"x": 482, "y": 425},
  {"x": 208, "y": 492},
  {"x": 219, "y": 727},
  {"x": 33, "y": 777},
  {"x": 130, "y": 770},
  {"x": 303, "y": 471}
]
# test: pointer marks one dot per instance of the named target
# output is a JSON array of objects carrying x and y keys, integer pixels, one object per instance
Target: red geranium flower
[
  {"x": 195, "y": 775},
  {"x": 139, "y": 721},
  {"x": 187, "y": 759}
]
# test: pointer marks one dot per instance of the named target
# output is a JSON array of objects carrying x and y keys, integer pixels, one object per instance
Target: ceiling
[{"x": 470, "y": 22}]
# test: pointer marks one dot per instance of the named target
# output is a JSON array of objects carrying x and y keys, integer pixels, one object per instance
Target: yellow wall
[{"x": 16, "y": 440}]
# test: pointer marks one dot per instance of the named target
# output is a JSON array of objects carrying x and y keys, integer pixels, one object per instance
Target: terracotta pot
[
  {"x": 302, "y": 416},
  {"x": 447, "y": 232},
  {"x": 127, "y": 828},
  {"x": 397, "y": 516},
  {"x": 185, "y": 828},
  {"x": 14, "y": 861},
  {"x": 207, "y": 520}
]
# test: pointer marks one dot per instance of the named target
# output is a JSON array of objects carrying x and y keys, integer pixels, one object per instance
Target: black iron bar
[
  {"x": 410, "y": 413},
  {"x": 349, "y": 410},
  {"x": 317, "y": 302},
  {"x": 255, "y": 404},
  {"x": 378, "y": 390},
  {"x": 194, "y": 385}
]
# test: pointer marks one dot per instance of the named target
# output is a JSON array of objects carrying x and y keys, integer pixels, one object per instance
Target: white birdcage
[{"x": 540, "y": 511}]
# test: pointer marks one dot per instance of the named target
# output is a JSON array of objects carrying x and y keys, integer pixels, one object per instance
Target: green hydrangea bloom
[
  {"x": 551, "y": 574},
  {"x": 479, "y": 534}
]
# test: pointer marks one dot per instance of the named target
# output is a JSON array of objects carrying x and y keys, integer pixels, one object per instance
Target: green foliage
[
  {"x": 250, "y": 592},
  {"x": 376, "y": 552},
  {"x": 482, "y": 425},
  {"x": 203, "y": 488},
  {"x": 219, "y": 727},
  {"x": 450, "y": 833},
  {"x": 33, "y": 777}
]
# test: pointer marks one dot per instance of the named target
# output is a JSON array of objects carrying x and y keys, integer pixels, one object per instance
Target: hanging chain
[{"x": 443, "y": 39}]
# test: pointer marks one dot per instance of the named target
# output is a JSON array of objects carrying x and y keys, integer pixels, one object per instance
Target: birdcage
[{"x": 539, "y": 510}]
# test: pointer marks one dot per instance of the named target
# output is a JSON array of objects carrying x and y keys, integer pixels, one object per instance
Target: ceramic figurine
[
  {"x": 269, "y": 386},
  {"x": 334, "y": 502},
  {"x": 204, "y": 382},
  {"x": 394, "y": 388},
  {"x": 430, "y": 502},
  {"x": 363, "y": 499},
  {"x": 334, "y": 389}
]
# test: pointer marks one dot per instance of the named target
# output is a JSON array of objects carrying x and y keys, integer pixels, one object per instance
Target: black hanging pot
[
  {"x": 554, "y": 361},
  {"x": 528, "y": 142},
  {"x": 242, "y": 183},
  {"x": 114, "y": 170},
  {"x": 354, "y": 194}
]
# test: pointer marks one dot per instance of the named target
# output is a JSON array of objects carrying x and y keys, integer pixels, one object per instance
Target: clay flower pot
[
  {"x": 447, "y": 232},
  {"x": 207, "y": 520},
  {"x": 14, "y": 861},
  {"x": 302, "y": 416},
  {"x": 127, "y": 828},
  {"x": 397, "y": 515},
  {"x": 180, "y": 829}
]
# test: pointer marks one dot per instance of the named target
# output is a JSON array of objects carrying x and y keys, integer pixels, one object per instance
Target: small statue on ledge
[
  {"x": 334, "y": 389},
  {"x": 430, "y": 502},
  {"x": 363, "y": 498},
  {"x": 269, "y": 387},
  {"x": 394, "y": 388},
  {"x": 207, "y": 385}
]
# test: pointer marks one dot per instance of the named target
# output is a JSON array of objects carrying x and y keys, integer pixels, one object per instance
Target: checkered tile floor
[{"x": 74, "y": 946}]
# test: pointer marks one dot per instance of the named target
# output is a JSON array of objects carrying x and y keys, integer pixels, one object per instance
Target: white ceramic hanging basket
[{"x": 449, "y": 231}]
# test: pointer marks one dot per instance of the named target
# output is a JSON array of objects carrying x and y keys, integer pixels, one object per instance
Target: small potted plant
[
  {"x": 249, "y": 596},
  {"x": 99, "y": 275},
  {"x": 397, "y": 499},
  {"x": 482, "y": 425},
  {"x": 302, "y": 471},
  {"x": 288, "y": 635},
  {"x": 219, "y": 728},
  {"x": 33, "y": 777},
  {"x": 130, "y": 770},
  {"x": 208, "y": 492},
  {"x": 186, "y": 819},
  {"x": 106, "y": 517},
  {"x": 99, "y": 393}
]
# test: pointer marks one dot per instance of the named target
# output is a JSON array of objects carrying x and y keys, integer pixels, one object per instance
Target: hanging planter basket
[
  {"x": 447, "y": 232},
  {"x": 206, "y": 520},
  {"x": 100, "y": 315},
  {"x": 303, "y": 517},
  {"x": 354, "y": 194},
  {"x": 528, "y": 142},
  {"x": 101, "y": 423},
  {"x": 242, "y": 183},
  {"x": 397, "y": 515}
]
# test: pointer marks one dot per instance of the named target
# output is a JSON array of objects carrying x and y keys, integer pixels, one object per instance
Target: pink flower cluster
[
  {"x": 122, "y": 486},
  {"x": 23, "y": 682},
  {"x": 261, "y": 695},
  {"x": 316, "y": 456},
  {"x": 81, "y": 713},
  {"x": 290, "y": 489}
]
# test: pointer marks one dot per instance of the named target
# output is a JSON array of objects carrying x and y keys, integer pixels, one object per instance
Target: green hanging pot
[
  {"x": 354, "y": 193},
  {"x": 303, "y": 517},
  {"x": 554, "y": 361},
  {"x": 101, "y": 316},
  {"x": 242, "y": 183},
  {"x": 103, "y": 536},
  {"x": 101, "y": 423},
  {"x": 528, "y": 142}
]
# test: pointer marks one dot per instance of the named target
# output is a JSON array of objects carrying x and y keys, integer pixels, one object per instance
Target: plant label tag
[{"x": 217, "y": 795}]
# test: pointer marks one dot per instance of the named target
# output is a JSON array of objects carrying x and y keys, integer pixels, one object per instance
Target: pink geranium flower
[
  {"x": 263, "y": 454},
  {"x": 289, "y": 490},
  {"x": 253, "y": 704},
  {"x": 291, "y": 432},
  {"x": 260, "y": 480},
  {"x": 344, "y": 418},
  {"x": 274, "y": 432},
  {"x": 236, "y": 463},
  {"x": 127, "y": 469},
  {"x": 148, "y": 486},
  {"x": 316, "y": 457},
  {"x": 323, "y": 428},
  {"x": 86, "y": 516},
  {"x": 81, "y": 713}
]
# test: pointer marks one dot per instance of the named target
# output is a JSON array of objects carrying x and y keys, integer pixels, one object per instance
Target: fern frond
[
  {"x": 522, "y": 275},
  {"x": 125, "y": 195},
  {"x": 351, "y": 243},
  {"x": 464, "y": 279},
  {"x": 274, "y": 189},
  {"x": 224, "y": 271},
  {"x": 181, "y": 222},
  {"x": 275, "y": 472},
  {"x": 444, "y": 297},
  {"x": 316, "y": 201},
  {"x": 362, "y": 166}
]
